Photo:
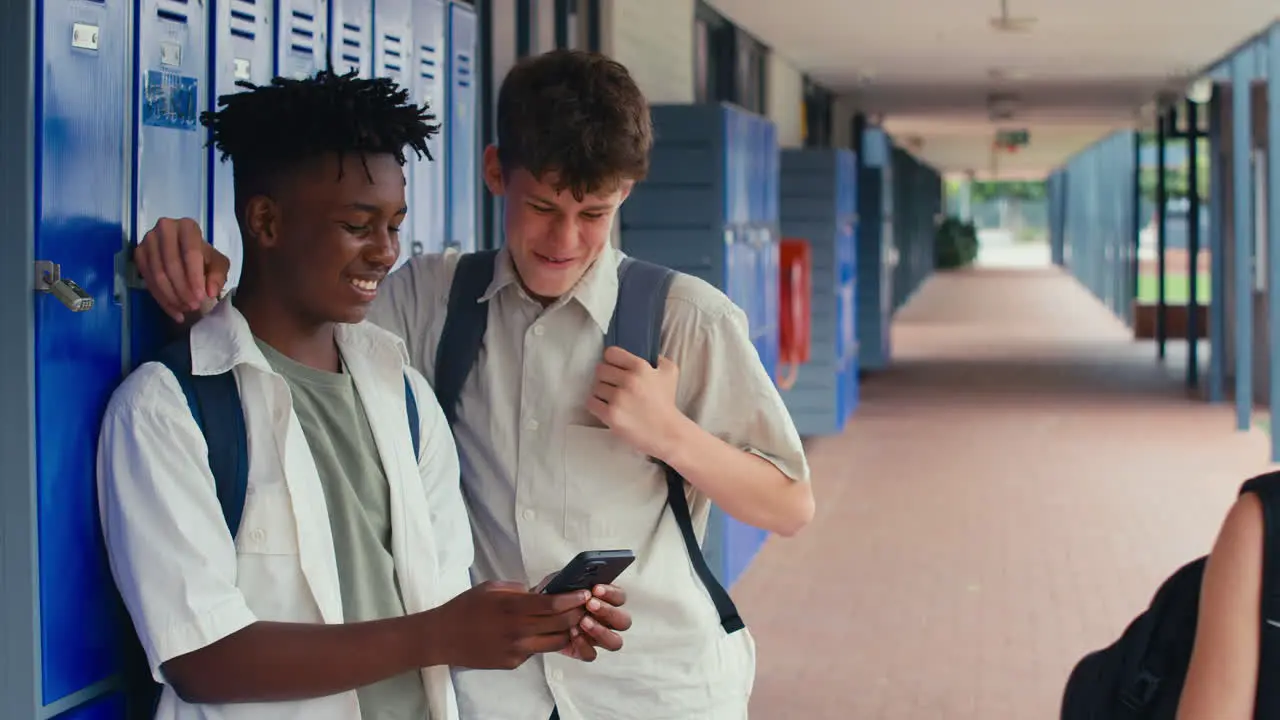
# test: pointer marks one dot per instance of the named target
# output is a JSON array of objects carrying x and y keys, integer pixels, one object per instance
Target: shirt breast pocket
[
  {"x": 613, "y": 494},
  {"x": 268, "y": 569},
  {"x": 267, "y": 526}
]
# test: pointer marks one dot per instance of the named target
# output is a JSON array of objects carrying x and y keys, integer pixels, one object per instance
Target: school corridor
[{"x": 1009, "y": 495}]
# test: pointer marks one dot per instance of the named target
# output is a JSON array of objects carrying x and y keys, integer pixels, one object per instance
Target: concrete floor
[{"x": 1007, "y": 498}]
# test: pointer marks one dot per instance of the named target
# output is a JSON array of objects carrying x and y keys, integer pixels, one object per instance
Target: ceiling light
[
  {"x": 1002, "y": 106},
  {"x": 1201, "y": 91},
  {"x": 1001, "y": 74},
  {"x": 1010, "y": 24}
]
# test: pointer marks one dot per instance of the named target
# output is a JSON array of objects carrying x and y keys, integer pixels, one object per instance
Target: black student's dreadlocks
[{"x": 272, "y": 127}]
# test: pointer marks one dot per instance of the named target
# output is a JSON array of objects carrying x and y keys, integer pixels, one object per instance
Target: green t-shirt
[{"x": 359, "y": 503}]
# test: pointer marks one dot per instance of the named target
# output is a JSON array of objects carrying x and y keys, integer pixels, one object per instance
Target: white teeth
[{"x": 368, "y": 285}]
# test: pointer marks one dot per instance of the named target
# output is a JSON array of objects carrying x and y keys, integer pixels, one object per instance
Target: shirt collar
[
  {"x": 222, "y": 340},
  {"x": 596, "y": 291}
]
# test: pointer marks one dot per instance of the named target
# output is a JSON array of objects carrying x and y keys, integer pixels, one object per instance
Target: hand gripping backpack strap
[
  {"x": 464, "y": 327},
  {"x": 215, "y": 404},
  {"x": 636, "y": 326},
  {"x": 1267, "y": 488}
]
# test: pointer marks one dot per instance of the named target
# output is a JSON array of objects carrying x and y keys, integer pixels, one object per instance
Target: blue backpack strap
[
  {"x": 464, "y": 327},
  {"x": 415, "y": 431},
  {"x": 1267, "y": 488},
  {"x": 215, "y": 404},
  {"x": 636, "y": 326}
]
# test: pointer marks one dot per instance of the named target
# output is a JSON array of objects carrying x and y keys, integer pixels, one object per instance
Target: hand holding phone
[
  {"x": 589, "y": 569},
  {"x": 606, "y": 618}
]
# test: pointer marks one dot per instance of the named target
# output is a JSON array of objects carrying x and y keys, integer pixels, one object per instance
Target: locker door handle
[{"x": 49, "y": 280}]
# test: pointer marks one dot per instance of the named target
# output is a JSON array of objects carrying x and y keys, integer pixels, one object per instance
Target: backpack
[
  {"x": 214, "y": 401},
  {"x": 636, "y": 326},
  {"x": 1140, "y": 675}
]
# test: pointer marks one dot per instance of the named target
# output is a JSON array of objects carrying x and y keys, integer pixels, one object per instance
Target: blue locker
[
  {"x": 847, "y": 261},
  {"x": 876, "y": 251},
  {"x": 170, "y": 159},
  {"x": 302, "y": 28},
  {"x": 770, "y": 182},
  {"x": 105, "y": 707},
  {"x": 351, "y": 35},
  {"x": 393, "y": 58},
  {"x": 739, "y": 126},
  {"x": 704, "y": 210},
  {"x": 242, "y": 51},
  {"x": 464, "y": 152},
  {"x": 773, "y": 176},
  {"x": 83, "y": 60},
  {"x": 427, "y": 203},
  {"x": 818, "y": 206},
  {"x": 754, "y": 176},
  {"x": 741, "y": 544},
  {"x": 694, "y": 211},
  {"x": 917, "y": 193}
]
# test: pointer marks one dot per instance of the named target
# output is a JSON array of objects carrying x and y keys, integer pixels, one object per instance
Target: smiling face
[
  {"x": 328, "y": 234},
  {"x": 553, "y": 238}
]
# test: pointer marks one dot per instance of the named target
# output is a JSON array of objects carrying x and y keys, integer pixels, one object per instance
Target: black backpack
[{"x": 1140, "y": 675}]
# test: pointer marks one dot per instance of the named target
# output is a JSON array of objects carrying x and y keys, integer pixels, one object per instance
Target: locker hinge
[{"x": 127, "y": 277}]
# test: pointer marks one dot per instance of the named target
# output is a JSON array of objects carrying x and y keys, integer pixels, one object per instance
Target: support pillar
[
  {"x": 1162, "y": 202},
  {"x": 1217, "y": 254},
  {"x": 1242, "y": 206},
  {"x": 1273, "y": 233},
  {"x": 1193, "y": 244}
]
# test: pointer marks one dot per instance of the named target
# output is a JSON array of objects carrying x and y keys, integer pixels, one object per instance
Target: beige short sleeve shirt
[{"x": 545, "y": 480}]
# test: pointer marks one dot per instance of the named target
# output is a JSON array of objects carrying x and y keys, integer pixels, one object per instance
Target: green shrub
[{"x": 956, "y": 245}]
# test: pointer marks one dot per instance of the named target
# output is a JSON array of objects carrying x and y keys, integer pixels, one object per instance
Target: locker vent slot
[
  {"x": 302, "y": 32},
  {"x": 427, "y": 62},
  {"x": 351, "y": 39},
  {"x": 463, "y": 69},
  {"x": 392, "y": 45},
  {"x": 172, "y": 10},
  {"x": 392, "y": 53},
  {"x": 244, "y": 19}
]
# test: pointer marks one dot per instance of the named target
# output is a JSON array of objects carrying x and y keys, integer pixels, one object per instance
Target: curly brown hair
[{"x": 576, "y": 114}]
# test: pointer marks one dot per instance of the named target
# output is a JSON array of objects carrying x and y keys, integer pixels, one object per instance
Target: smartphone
[{"x": 588, "y": 569}]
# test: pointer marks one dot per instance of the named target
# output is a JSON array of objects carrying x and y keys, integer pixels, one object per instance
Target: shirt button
[
  {"x": 539, "y": 330},
  {"x": 528, "y": 514},
  {"x": 532, "y": 425},
  {"x": 557, "y": 675},
  {"x": 258, "y": 535}
]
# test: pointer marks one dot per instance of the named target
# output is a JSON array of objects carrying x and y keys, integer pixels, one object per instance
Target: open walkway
[{"x": 1007, "y": 497}]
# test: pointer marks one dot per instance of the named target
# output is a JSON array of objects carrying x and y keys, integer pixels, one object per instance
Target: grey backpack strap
[
  {"x": 464, "y": 324},
  {"x": 636, "y": 326}
]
